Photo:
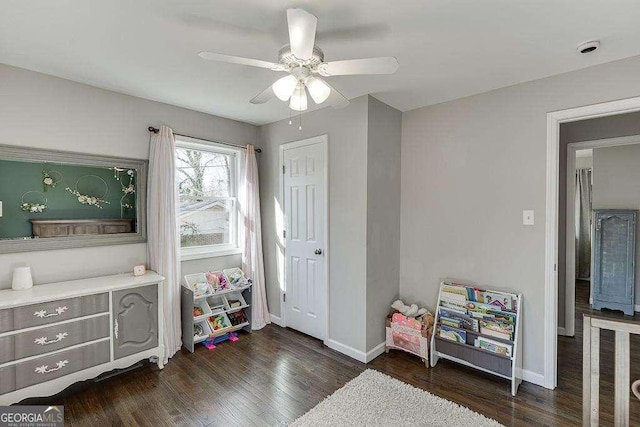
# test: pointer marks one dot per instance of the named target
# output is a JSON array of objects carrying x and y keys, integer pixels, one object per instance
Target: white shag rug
[{"x": 374, "y": 398}]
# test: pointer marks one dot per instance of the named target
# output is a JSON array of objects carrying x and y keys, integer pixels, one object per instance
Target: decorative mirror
[{"x": 60, "y": 200}]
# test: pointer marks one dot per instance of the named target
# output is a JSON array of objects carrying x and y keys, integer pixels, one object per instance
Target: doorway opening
[{"x": 556, "y": 158}]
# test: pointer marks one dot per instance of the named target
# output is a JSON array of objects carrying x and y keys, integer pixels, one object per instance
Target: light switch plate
[{"x": 528, "y": 218}]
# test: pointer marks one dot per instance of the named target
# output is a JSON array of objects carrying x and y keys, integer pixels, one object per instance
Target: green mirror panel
[{"x": 55, "y": 200}]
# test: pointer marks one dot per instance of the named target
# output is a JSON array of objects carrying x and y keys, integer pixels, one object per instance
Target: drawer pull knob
[
  {"x": 45, "y": 340},
  {"x": 43, "y": 313},
  {"x": 44, "y": 369}
]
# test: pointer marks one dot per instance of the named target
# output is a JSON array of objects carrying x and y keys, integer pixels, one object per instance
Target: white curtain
[
  {"x": 252, "y": 260},
  {"x": 163, "y": 241}
]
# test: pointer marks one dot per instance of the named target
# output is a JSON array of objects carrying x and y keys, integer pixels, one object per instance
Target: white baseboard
[
  {"x": 375, "y": 352},
  {"x": 532, "y": 377},
  {"x": 276, "y": 320},
  {"x": 360, "y": 356}
]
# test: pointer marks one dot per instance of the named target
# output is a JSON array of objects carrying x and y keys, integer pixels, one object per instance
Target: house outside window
[{"x": 207, "y": 177}]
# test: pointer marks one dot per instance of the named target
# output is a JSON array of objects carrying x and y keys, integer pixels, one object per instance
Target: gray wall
[
  {"x": 364, "y": 214},
  {"x": 583, "y": 130},
  {"x": 347, "y": 132},
  {"x": 383, "y": 216},
  {"x": 616, "y": 185},
  {"x": 469, "y": 168},
  {"x": 38, "y": 110}
]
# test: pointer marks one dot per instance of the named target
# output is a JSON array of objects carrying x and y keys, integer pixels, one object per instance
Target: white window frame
[{"x": 233, "y": 248}]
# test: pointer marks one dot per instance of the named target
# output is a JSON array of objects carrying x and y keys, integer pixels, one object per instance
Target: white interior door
[{"x": 305, "y": 297}]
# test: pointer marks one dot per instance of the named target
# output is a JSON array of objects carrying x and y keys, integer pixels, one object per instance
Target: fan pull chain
[
  {"x": 290, "y": 121},
  {"x": 300, "y": 120}
]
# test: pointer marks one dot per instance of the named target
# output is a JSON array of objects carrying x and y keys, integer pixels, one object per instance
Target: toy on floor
[
  {"x": 409, "y": 331},
  {"x": 409, "y": 310}
]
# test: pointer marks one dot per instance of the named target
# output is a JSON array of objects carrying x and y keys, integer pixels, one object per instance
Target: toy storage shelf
[
  {"x": 467, "y": 353},
  {"x": 211, "y": 303}
]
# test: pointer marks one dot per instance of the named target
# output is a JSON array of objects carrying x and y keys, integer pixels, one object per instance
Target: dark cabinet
[
  {"x": 614, "y": 256},
  {"x": 135, "y": 320}
]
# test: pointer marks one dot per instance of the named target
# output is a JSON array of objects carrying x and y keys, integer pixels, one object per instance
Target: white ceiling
[{"x": 447, "y": 49}]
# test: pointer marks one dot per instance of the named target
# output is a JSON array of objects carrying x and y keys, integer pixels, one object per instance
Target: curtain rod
[{"x": 156, "y": 130}]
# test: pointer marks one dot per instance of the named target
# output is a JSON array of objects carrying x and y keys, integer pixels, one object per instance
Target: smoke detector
[{"x": 588, "y": 47}]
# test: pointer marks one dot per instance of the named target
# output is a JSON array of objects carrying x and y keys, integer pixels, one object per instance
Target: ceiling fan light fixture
[
  {"x": 318, "y": 89},
  {"x": 299, "y": 98},
  {"x": 285, "y": 87}
]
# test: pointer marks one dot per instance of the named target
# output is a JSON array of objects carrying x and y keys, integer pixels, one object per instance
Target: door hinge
[
  {"x": 284, "y": 234},
  {"x": 283, "y": 169},
  {"x": 284, "y": 297}
]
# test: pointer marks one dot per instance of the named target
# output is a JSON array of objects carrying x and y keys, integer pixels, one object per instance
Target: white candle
[{"x": 22, "y": 278}]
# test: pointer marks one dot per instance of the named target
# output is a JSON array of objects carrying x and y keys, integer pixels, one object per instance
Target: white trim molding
[
  {"x": 276, "y": 320},
  {"x": 533, "y": 377},
  {"x": 375, "y": 352},
  {"x": 554, "y": 119},
  {"x": 360, "y": 356}
]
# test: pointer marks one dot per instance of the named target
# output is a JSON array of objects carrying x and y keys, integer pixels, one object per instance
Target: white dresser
[{"x": 54, "y": 335}]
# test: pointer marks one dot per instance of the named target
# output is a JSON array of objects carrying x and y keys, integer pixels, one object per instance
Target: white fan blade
[
  {"x": 239, "y": 60},
  {"x": 386, "y": 65},
  {"x": 263, "y": 96},
  {"x": 302, "y": 32},
  {"x": 336, "y": 99}
]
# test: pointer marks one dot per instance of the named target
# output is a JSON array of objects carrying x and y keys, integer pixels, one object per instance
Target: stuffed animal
[{"x": 409, "y": 310}]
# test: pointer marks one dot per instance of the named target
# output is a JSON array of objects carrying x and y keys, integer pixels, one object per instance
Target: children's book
[
  {"x": 502, "y": 300},
  {"x": 452, "y": 334},
  {"x": 467, "y": 322},
  {"x": 454, "y": 305},
  {"x": 494, "y": 346},
  {"x": 454, "y": 323}
]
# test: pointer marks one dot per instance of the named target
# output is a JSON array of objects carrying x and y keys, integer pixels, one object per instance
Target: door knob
[{"x": 318, "y": 252}]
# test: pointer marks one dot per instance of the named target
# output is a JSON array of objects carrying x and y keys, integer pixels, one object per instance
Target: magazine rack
[{"x": 467, "y": 353}]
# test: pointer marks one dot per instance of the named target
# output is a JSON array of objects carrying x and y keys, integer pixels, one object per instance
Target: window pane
[
  {"x": 205, "y": 222},
  {"x": 204, "y": 173}
]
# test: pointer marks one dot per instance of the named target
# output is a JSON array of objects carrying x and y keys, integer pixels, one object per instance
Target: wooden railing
[{"x": 591, "y": 369}]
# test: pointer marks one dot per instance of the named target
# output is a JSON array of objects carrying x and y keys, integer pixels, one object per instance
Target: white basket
[
  {"x": 205, "y": 327},
  {"x": 236, "y": 296},
  {"x": 192, "y": 279},
  {"x": 204, "y": 306},
  {"x": 217, "y": 304},
  {"x": 222, "y": 330}
]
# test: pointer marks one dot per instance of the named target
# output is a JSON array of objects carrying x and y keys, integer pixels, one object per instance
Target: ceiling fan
[{"x": 304, "y": 63}]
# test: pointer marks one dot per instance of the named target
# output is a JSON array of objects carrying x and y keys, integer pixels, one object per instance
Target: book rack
[{"x": 484, "y": 334}]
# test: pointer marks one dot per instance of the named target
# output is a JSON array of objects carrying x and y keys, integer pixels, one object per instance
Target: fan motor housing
[{"x": 287, "y": 58}]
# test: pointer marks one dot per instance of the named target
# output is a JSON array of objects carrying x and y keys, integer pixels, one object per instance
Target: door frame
[
  {"x": 324, "y": 141},
  {"x": 554, "y": 119},
  {"x": 570, "y": 285}
]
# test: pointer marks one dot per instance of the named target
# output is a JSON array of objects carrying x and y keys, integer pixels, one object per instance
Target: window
[{"x": 207, "y": 180}]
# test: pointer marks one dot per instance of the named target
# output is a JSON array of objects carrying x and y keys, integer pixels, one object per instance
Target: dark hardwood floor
[{"x": 275, "y": 375}]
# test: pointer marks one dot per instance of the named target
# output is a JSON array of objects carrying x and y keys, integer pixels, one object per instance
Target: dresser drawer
[
  {"x": 56, "y": 311},
  {"x": 47, "y": 368},
  {"x": 6, "y": 320},
  {"x": 7, "y": 379},
  {"x": 52, "y": 338}
]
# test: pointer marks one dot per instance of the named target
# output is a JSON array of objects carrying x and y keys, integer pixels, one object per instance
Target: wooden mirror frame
[{"x": 9, "y": 152}]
